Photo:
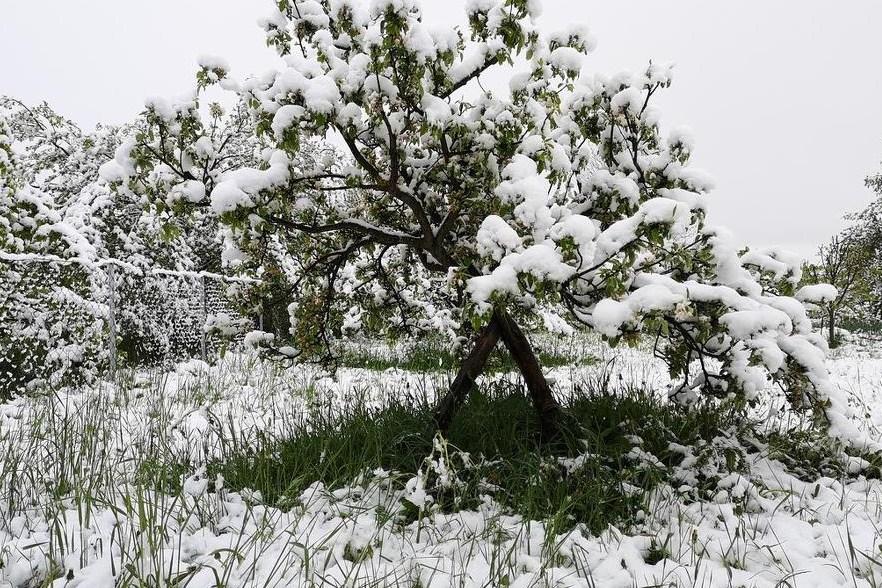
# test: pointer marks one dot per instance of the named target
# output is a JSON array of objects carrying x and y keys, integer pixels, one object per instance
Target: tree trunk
[
  {"x": 502, "y": 325},
  {"x": 518, "y": 345},
  {"x": 831, "y": 333},
  {"x": 469, "y": 371}
]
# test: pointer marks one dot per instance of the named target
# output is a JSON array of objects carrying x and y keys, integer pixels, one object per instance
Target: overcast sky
[{"x": 784, "y": 98}]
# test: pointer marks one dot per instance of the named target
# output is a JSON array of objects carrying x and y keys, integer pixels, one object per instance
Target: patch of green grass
[
  {"x": 871, "y": 326},
  {"x": 809, "y": 453},
  {"x": 436, "y": 356},
  {"x": 498, "y": 429},
  {"x": 162, "y": 476}
]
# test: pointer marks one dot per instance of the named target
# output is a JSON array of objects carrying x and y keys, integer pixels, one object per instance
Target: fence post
[
  {"x": 111, "y": 341},
  {"x": 204, "y": 318}
]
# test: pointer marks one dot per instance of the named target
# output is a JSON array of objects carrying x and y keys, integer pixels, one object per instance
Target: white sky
[{"x": 784, "y": 98}]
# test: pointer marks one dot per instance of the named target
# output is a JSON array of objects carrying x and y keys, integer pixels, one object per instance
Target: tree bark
[
  {"x": 831, "y": 333},
  {"x": 547, "y": 408},
  {"x": 469, "y": 371},
  {"x": 503, "y": 326}
]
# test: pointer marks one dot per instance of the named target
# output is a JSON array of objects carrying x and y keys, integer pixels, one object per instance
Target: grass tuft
[
  {"x": 435, "y": 356},
  {"x": 612, "y": 445}
]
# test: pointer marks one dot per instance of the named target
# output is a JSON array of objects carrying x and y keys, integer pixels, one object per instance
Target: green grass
[
  {"x": 872, "y": 326},
  {"x": 809, "y": 453},
  {"x": 498, "y": 429},
  {"x": 437, "y": 356}
]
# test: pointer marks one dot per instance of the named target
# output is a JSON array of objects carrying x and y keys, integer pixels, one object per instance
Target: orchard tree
[
  {"x": 852, "y": 261},
  {"x": 178, "y": 150},
  {"x": 173, "y": 159},
  {"x": 454, "y": 206},
  {"x": 9, "y": 184},
  {"x": 868, "y": 230},
  {"x": 62, "y": 231},
  {"x": 81, "y": 217},
  {"x": 844, "y": 262},
  {"x": 35, "y": 214},
  {"x": 46, "y": 323}
]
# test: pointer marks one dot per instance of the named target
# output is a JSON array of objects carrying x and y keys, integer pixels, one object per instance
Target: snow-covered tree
[
  {"x": 172, "y": 159},
  {"x": 55, "y": 207},
  {"x": 852, "y": 261},
  {"x": 76, "y": 215},
  {"x": 8, "y": 181},
  {"x": 57, "y": 167},
  {"x": 557, "y": 201},
  {"x": 846, "y": 262},
  {"x": 867, "y": 230},
  {"x": 47, "y": 321}
]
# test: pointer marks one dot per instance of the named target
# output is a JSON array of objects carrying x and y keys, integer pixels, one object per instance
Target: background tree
[
  {"x": 868, "y": 226},
  {"x": 58, "y": 208},
  {"x": 47, "y": 324},
  {"x": 493, "y": 209},
  {"x": 172, "y": 160},
  {"x": 844, "y": 262},
  {"x": 852, "y": 261}
]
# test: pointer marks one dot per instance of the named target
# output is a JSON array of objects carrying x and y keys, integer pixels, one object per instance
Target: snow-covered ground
[{"x": 71, "y": 507}]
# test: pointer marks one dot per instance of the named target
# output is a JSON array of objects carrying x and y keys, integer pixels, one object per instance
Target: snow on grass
[{"x": 75, "y": 507}]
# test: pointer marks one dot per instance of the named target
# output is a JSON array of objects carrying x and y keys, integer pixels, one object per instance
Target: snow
[
  {"x": 566, "y": 58},
  {"x": 609, "y": 316},
  {"x": 437, "y": 110},
  {"x": 236, "y": 188},
  {"x": 574, "y": 32},
  {"x": 213, "y": 62},
  {"x": 284, "y": 119},
  {"x": 530, "y": 192},
  {"x": 205, "y": 148},
  {"x": 469, "y": 64},
  {"x": 161, "y": 107},
  {"x": 542, "y": 261},
  {"x": 503, "y": 280},
  {"x": 120, "y": 167},
  {"x": 743, "y": 324},
  {"x": 625, "y": 187},
  {"x": 496, "y": 238},
  {"x": 758, "y": 528},
  {"x": 682, "y": 136},
  {"x": 377, "y": 84},
  {"x": 319, "y": 93},
  {"x": 227, "y": 196},
  {"x": 630, "y": 101},
  {"x": 817, "y": 293},
  {"x": 189, "y": 190},
  {"x": 258, "y": 339},
  {"x": 421, "y": 41}
]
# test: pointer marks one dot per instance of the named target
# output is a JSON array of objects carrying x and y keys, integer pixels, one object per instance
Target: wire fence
[{"x": 69, "y": 322}]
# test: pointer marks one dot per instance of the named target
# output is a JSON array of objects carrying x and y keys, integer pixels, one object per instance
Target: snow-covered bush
[
  {"x": 46, "y": 327},
  {"x": 61, "y": 229},
  {"x": 169, "y": 163},
  {"x": 452, "y": 205}
]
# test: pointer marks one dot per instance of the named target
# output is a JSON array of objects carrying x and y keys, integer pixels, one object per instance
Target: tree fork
[
  {"x": 472, "y": 367},
  {"x": 547, "y": 408},
  {"x": 503, "y": 326}
]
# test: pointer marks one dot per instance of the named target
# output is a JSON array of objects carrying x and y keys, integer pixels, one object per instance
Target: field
[
  {"x": 250, "y": 473},
  {"x": 398, "y": 293}
]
